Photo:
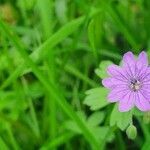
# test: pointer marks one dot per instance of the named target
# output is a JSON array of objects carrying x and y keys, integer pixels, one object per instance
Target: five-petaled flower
[{"x": 130, "y": 84}]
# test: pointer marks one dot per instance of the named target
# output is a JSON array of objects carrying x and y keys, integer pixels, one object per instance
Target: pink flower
[{"x": 130, "y": 84}]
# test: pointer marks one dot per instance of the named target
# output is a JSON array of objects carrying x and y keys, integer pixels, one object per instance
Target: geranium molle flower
[{"x": 130, "y": 84}]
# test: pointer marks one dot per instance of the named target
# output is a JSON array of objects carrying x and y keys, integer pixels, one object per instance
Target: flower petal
[
  {"x": 141, "y": 102},
  {"x": 114, "y": 70},
  {"x": 113, "y": 82},
  {"x": 127, "y": 102},
  {"x": 129, "y": 63},
  {"x": 120, "y": 80},
  {"x": 141, "y": 65},
  {"x": 141, "y": 72},
  {"x": 107, "y": 83},
  {"x": 146, "y": 91},
  {"x": 142, "y": 60},
  {"x": 145, "y": 76},
  {"x": 128, "y": 58},
  {"x": 117, "y": 93}
]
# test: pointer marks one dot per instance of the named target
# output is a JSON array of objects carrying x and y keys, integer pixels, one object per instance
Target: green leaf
[
  {"x": 120, "y": 119},
  {"x": 71, "y": 125},
  {"x": 102, "y": 70},
  {"x": 96, "y": 98},
  {"x": 96, "y": 118},
  {"x": 100, "y": 132}
]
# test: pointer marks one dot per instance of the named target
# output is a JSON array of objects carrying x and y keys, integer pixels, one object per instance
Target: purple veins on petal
[
  {"x": 141, "y": 102},
  {"x": 140, "y": 73},
  {"x": 129, "y": 63},
  {"x": 114, "y": 70},
  {"x": 142, "y": 64},
  {"x": 127, "y": 102},
  {"x": 117, "y": 93},
  {"x": 146, "y": 92},
  {"x": 145, "y": 75},
  {"x": 113, "y": 82},
  {"x": 130, "y": 84}
]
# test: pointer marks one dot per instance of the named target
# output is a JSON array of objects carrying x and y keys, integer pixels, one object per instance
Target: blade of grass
[
  {"x": 45, "y": 9},
  {"x": 61, "y": 101},
  {"x": 3, "y": 145},
  {"x": 61, "y": 34},
  {"x": 12, "y": 77},
  {"x": 12, "y": 138},
  {"x": 72, "y": 70},
  {"x": 51, "y": 103},
  {"x": 32, "y": 110},
  {"x": 46, "y": 13},
  {"x": 37, "y": 55},
  {"x": 121, "y": 25},
  {"x": 57, "y": 141},
  {"x": 46, "y": 46}
]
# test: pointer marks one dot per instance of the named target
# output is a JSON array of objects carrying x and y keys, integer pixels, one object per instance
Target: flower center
[{"x": 135, "y": 85}]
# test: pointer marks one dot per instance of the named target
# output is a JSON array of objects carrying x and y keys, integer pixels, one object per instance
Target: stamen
[{"x": 135, "y": 85}]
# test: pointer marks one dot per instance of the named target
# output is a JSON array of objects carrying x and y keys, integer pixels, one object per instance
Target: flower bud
[{"x": 131, "y": 132}]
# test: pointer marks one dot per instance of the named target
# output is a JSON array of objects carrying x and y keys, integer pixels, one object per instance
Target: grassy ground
[{"x": 51, "y": 53}]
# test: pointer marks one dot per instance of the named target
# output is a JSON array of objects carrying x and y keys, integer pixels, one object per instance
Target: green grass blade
[
  {"x": 45, "y": 8},
  {"x": 3, "y": 145},
  {"x": 61, "y": 101},
  {"x": 56, "y": 38},
  {"x": 44, "y": 49},
  {"x": 57, "y": 141}
]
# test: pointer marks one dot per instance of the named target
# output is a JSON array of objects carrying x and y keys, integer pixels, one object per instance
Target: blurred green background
[{"x": 51, "y": 53}]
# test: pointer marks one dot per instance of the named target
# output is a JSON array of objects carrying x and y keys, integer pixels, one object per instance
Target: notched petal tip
[
  {"x": 143, "y": 52},
  {"x": 128, "y": 57},
  {"x": 142, "y": 59},
  {"x": 113, "y": 70},
  {"x": 128, "y": 54}
]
